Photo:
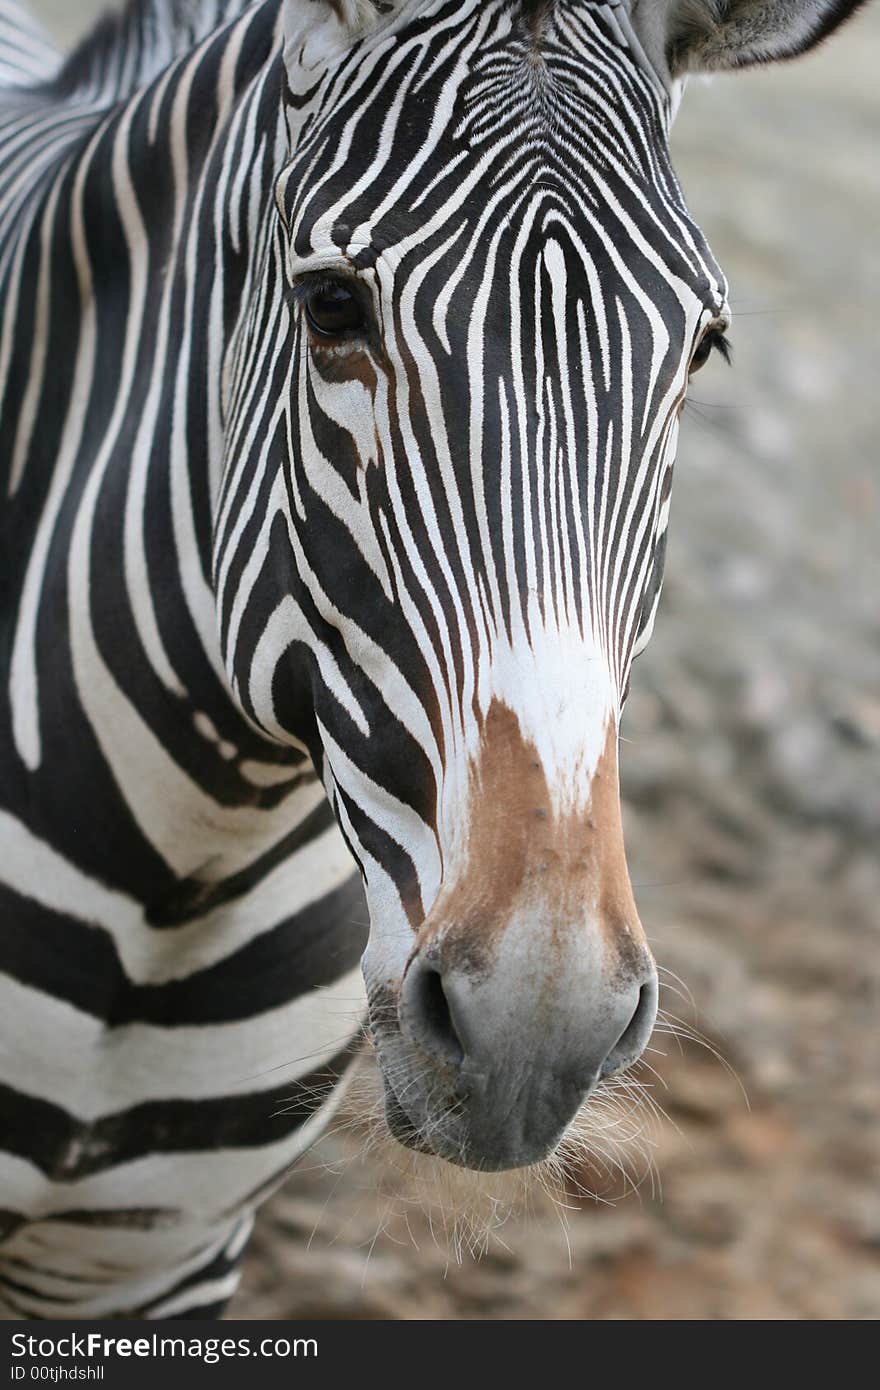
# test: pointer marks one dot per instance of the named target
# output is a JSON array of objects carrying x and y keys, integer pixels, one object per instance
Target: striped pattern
[
  {"x": 181, "y": 929},
  {"x": 498, "y": 480},
  {"x": 229, "y": 551}
]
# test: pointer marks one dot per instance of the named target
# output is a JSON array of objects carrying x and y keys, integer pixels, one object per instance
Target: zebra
[{"x": 343, "y": 345}]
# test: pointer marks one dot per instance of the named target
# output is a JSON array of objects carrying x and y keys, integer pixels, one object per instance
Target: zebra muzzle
[
  {"x": 513, "y": 1053},
  {"x": 531, "y": 980}
]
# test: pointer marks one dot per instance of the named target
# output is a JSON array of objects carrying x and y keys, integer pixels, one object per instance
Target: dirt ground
[{"x": 751, "y": 771}]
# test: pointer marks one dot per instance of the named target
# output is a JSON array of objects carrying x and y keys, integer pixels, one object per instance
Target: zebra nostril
[
  {"x": 426, "y": 1014},
  {"x": 634, "y": 1038}
]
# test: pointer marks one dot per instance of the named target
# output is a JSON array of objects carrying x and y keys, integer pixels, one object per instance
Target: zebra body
[{"x": 416, "y": 550}]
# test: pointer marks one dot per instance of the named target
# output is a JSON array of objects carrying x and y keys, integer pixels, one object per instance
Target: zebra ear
[
  {"x": 685, "y": 36},
  {"x": 317, "y": 31}
]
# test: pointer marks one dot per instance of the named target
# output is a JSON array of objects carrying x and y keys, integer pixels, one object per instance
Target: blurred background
[{"x": 751, "y": 773}]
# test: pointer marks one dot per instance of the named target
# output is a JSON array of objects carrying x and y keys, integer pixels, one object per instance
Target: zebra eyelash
[
  {"x": 718, "y": 341},
  {"x": 314, "y": 283},
  {"x": 713, "y": 340},
  {"x": 303, "y": 289}
]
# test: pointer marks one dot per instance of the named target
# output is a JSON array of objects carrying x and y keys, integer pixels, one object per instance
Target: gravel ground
[{"x": 752, "y": 782}]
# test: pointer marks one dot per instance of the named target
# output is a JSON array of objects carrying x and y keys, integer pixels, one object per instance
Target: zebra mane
[{"x": 127, "y": 49}]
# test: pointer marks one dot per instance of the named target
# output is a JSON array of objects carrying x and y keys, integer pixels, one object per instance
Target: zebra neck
[{"x": 130, "y": 240}]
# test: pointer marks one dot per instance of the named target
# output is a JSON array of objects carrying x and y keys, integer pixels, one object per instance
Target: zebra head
[{"x": 453, "y": 417}]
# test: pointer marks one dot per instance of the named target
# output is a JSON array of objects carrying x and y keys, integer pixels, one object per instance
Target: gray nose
[{"x": 522, "y": 1046}]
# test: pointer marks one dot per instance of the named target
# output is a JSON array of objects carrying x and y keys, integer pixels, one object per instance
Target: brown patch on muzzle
[{"x": 571, "y": 869}]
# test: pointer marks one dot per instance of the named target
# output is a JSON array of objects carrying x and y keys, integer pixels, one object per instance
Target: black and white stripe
[
  {"x": 181, "y": 928},
  {"x": 499, "y": 486}
]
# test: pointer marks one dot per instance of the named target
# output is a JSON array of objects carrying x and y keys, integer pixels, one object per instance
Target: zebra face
[{"x": 487, "y": 297}]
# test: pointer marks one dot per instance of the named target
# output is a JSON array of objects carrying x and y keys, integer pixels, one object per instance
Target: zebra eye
[
  {"x": 333, "y": 310},
  {"x": 713, "y": 340}
]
